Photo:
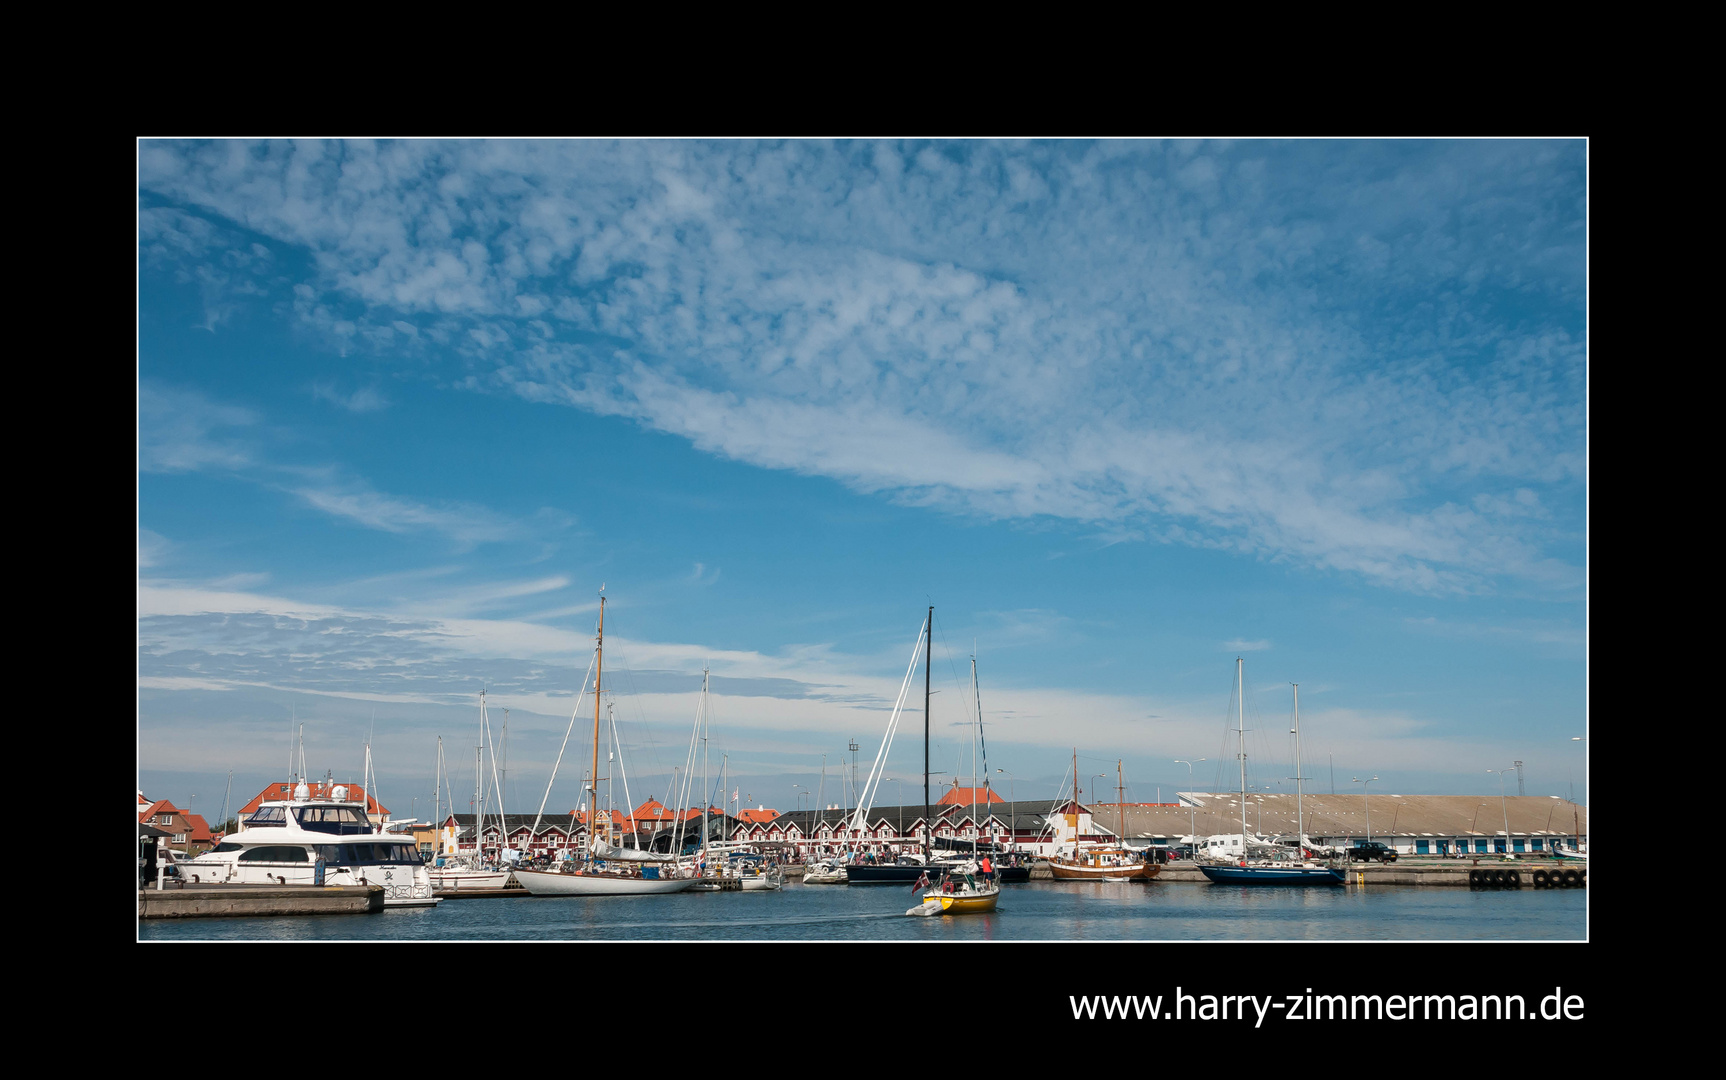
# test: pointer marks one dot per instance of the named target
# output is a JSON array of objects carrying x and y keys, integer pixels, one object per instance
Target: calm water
[{"x": 1035, "y": 911}]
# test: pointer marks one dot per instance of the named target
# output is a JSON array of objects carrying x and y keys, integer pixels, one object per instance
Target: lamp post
[
  {"x": 1368, "y": 801},
  {"x": 1503, "y": 803},
  {"x": 1193, "y": 810},
  {"x": 898, "y": 797},
  {"x": 1093, "y": 816}
]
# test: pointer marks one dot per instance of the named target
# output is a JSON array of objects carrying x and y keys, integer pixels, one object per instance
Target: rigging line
[
  {"x": 954, "y": 672},
  {"x": 579, "y": 698},
  {"x": 878, "y": 769}
]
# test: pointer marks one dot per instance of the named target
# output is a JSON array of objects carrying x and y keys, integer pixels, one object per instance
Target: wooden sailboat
[
  {"x": 604, "y": 869},
  {"x": 1100, "y": 861},
  {"x": 1247, "y": 871}
]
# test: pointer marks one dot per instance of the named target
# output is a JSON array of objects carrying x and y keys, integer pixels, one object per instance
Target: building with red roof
[{"x": 188, "y": 834}]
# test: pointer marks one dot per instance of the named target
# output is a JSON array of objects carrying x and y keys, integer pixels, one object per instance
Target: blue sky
[{"x": 1121, "y": 411}]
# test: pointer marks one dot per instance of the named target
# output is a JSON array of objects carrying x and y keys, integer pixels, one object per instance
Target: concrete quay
[
  {"x": 1453, "y": 873},
  {"x": 1408, "y": 871},
  {"x": 230, "y": 901}
]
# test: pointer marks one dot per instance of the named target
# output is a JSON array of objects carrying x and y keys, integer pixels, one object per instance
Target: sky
[{"x": 1121, "y": 412}]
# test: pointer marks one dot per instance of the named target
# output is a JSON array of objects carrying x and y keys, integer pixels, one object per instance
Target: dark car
[{"x": 1370, "y": 850}]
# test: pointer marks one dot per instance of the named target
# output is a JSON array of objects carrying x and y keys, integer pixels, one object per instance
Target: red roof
[
  {"x": 757, "y": 817},
  {"x": 965, "y": 796}
]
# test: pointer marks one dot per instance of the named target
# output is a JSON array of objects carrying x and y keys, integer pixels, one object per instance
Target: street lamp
[
  {"x": 1506, "y": 807},
  {"x": 1095, "y": 776},
  {"x": 1193, "y": 808},
  {"x": 1363, "y": 784},
  {"x": 899, "y": 797},
  {"x": 1012, "y": 815}
]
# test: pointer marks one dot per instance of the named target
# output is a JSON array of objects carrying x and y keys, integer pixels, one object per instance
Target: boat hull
[
  {"x": 890, "y": 874},
  {"x": 1273, "y": 875},
  {"x": 445, "y": 880},
  {"x": 965, "y": 905},
  {"x": 547, "y": 883},
  {"x": 1070, "y": 872}
]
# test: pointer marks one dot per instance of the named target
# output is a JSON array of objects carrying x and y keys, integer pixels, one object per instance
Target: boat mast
[
  {"x": 478, "y": 781},
  {"x": 598, "y": 677},
  {"x": 706, "y": 790},
  {"x": 929, "y": 651},
  {"x": 1300, "y": 836},
  {"x": 976, "y": 826},
  {"x": 1241, "y": 723},
  {"x": 1121, "y": 800}
]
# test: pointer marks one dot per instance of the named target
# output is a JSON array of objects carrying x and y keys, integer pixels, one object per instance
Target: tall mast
[
  {"x": 479, "y": 779},
  {"x": 929, "y": 650},
  {"x": 1241, "y": 723},
  {"x": 598, "y": 676},
  {"x": 1121, "y": 800},
  {"x": 1300, "y": 837},
  {"x": 706, "y": 790},
  {"x": 976, "y": 825}
]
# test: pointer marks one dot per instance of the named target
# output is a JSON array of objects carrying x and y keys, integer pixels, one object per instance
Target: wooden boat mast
[{"x": 1121, "y": 801}]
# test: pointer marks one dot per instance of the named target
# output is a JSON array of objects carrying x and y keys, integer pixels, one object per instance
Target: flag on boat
[{"x": 922, "y": 880}]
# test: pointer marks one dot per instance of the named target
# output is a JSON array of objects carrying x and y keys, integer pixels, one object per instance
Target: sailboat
[
  {"x": 1266, "y": 871},
  {"x": 1100, "y": 862},
  {"x": 466, "y": 870},
  {"x": 963, "y": 887},
  {"x": 605, "y": 869},
  {"x": 907, "y": 868}
]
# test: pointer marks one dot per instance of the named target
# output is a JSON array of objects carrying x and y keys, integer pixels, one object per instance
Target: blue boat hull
[{"x": 1273, "y": 875}]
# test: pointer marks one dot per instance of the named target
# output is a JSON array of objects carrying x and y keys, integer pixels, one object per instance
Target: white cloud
[
  {"x": 184, "y": 431},
  {"x": 465, "y": 524},
  {"x": 1279, "y": 348},
  {"x": 364, "y": 400}
]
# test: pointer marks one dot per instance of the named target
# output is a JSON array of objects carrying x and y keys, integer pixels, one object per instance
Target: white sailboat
[
  {"x": 1248, "y": 871},
  {"x": 463, "y": 869},
  {"x": 605, "y": 869},
  {"x": 961, "y": 888}
]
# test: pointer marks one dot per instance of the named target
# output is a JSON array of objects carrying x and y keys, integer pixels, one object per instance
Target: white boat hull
[
  {"x": 761, "y": 883},
  {"x": 449, "y": 880},
  {"x": 548, "y": 883}
]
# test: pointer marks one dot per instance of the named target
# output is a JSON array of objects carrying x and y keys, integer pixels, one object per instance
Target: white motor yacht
[{"x": 315, "y": 840}]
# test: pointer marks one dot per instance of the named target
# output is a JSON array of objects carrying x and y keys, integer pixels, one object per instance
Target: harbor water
[{"x": 1033, "y": 911}]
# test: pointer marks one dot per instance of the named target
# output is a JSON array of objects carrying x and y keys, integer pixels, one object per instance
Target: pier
[{"x": 230, "y": 901}]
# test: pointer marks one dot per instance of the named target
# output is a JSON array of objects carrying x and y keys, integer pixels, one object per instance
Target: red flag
[{"x": 922, "y": 880}]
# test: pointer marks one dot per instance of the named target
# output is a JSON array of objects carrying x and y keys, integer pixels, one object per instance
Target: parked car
[{"x": 1370, "y": 850}]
